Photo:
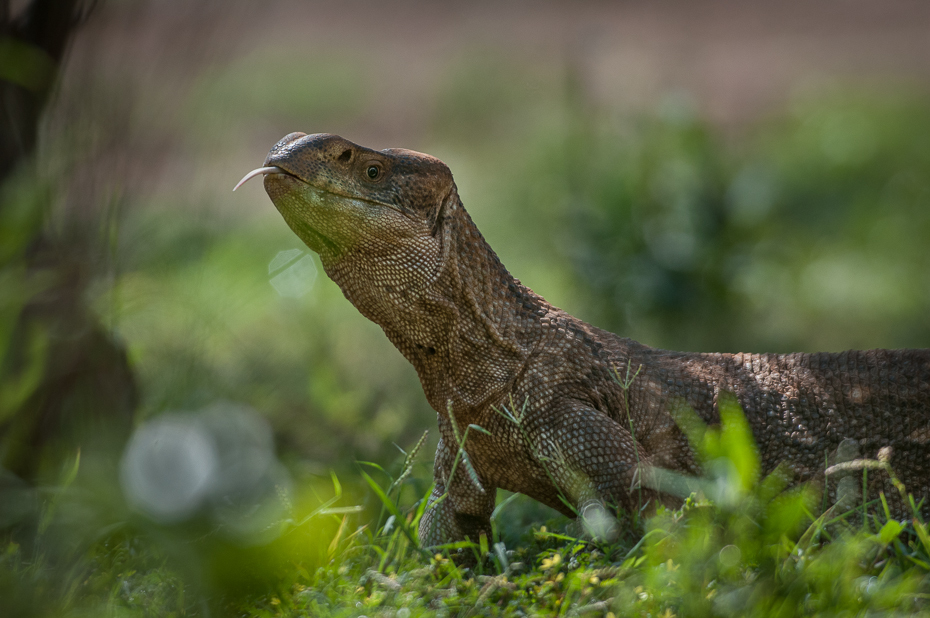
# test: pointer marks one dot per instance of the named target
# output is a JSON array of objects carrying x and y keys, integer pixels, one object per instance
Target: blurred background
[{"x": 708, "y": 176}]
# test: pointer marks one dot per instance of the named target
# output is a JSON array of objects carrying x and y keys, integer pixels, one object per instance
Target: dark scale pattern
[{"x": 407, "y": 255}]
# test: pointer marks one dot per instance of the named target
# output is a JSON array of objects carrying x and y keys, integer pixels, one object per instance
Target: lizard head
[
  {"x": 341, "y": 197},
  {"x": 378, "y": 210}
]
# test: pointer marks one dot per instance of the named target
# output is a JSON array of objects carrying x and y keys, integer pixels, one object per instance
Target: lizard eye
[{"x": 374, "y": 172}]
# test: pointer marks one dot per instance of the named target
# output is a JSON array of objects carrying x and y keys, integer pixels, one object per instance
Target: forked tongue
[{"x": 258, "y": 172}]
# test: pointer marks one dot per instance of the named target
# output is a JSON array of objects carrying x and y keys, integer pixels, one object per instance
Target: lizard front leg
[
  {"x": 590, "y": 457},
  {"x": 465, "y": 513}
]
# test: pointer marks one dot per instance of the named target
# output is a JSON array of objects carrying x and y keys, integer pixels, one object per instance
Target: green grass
[{"x": 739, "y": 545}]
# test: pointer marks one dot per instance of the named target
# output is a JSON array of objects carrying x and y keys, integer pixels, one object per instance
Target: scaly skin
[{"x": 392, "y": 233}]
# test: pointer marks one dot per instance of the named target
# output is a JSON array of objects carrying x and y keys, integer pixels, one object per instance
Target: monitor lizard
[{"x": 569, "y": 414}]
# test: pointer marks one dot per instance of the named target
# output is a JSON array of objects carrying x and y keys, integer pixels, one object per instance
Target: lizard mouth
[
  {"x": 261, "y": 171},
  {"x": 274, "y": 169}
]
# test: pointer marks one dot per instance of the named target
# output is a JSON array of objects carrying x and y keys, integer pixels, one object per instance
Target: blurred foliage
[
  {"x": 739, "y": 546},
  {"x": 19, "y": 222},
  {"x": 79, "y": 549},
  {"x": 806, "y": 233},
  {"x": 486, "y": 97},
  {"x": 251, "y": 88}
]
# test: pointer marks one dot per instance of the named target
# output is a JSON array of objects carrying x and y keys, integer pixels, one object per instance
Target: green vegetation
[
  {"x": 739, "y": 545},
  {"x": 807, "y": 231},
  {"x": 805, "y": 234}
]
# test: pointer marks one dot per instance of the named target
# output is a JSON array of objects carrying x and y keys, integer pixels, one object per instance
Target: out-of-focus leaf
[
  {"x": 16, "y": 388},
  {"x": 25, "y": 64},
  {"x": 921, "y": 530},
  {"x": 736, "y": 442},
  {"x": 890, "y": 531}
]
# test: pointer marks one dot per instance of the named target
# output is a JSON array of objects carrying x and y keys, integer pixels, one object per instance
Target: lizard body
[{"x": 391, "y": 231}]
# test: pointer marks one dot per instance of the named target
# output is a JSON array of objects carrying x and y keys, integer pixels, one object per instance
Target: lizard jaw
[
  {"x": 261, "y": 171},
  {"x": 274, "y": 169}
]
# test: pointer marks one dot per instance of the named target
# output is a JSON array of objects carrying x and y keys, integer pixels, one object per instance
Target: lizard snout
[{"x": 283, "y": 146}]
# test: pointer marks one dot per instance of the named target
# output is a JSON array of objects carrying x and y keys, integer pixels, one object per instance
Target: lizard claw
[{"x": 258, "y": 172}]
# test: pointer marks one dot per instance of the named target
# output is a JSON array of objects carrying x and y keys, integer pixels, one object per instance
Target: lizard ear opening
[{"x": 439, "y": 214}]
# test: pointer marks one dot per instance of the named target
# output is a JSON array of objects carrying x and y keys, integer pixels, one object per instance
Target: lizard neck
[
  {"x": 469, "y": 331},
  {"x": 486, "y": 324}
]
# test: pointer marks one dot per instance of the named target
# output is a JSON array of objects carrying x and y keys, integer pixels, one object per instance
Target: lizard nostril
[{"x": 345, "y": 156}]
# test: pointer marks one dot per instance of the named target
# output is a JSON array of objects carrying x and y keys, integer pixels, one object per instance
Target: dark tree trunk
[{"x": 86, "y": 390}]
